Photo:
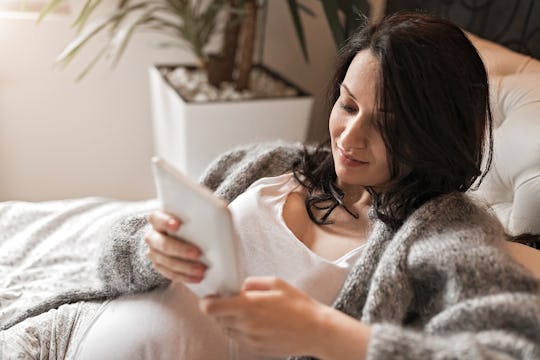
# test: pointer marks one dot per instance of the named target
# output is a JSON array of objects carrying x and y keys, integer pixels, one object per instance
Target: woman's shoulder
[
  {"x": 452, "y": 229},
  {"x": 452, "y": 204},
  {"x": 456, "y": 212},
  {"x": 233, "y": 172},
  {"x": 459, "y": 240}
]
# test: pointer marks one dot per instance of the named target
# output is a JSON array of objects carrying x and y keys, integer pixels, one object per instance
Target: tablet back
[{"x": 206, "y": 222}]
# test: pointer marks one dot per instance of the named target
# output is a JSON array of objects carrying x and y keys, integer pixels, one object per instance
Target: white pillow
[
  {"x": 512, "y": 186},
  {"x": 500, "y": 60}
]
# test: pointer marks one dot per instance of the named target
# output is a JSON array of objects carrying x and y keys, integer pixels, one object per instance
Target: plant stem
[
  {"x": 220, "y": 67},
  {"x": 247, "y": 44}
]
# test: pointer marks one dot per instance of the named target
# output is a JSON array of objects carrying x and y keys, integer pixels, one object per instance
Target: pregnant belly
[{"x": 162, "y": 324}]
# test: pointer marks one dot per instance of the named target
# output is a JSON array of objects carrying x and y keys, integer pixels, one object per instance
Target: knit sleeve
[
  {"x": 506, "y": 340},
  {"x": 122, "y": 265},
  {"x": 470, "y": 300},
  {"x": 234, "y": 171},
  {"x": 497, "y": 321},
  {"x": 455, "y": 319}
]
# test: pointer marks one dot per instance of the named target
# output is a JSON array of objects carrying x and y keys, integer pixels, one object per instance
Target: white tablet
[{"x": 206, "y": 222}]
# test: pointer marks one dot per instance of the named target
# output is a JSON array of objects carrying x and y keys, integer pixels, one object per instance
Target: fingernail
[
  {"x": 203, "y": 305},
  {"x": 197, "y": 274},
  {"x": 201, "y": 269},
  {"x": 196, "y": 279},
  {"x": 172, "y": 223},
  {"x": 194, "y": 253}
]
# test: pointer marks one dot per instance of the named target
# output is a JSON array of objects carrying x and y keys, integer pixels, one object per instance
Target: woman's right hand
[{"x": 172, "y": 257}]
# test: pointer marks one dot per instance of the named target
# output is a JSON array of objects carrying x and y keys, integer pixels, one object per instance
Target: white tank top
[
  {"x": 268, "y": 247},
  {"x": 167, "y": 323}
]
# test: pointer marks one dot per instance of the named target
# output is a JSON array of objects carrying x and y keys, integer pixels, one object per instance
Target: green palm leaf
[
  {"x": 92, "y": 63},
  {"x": 294, "y": 7},
  {"x": 85, "y": 13},
  {"x": 357, "y": 15},
  {"x": 191, "y": 22},
  {"x": 49, "y": 7},
  {"x": 331, "y": 11},
  {"x": 122, "y": 35},
  {"x": 89, "y": 32}
]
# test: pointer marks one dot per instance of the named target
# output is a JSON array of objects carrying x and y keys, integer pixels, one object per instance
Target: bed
[
  {"x": 51, "y": 248},
  {"x": 48, "y": 248}
]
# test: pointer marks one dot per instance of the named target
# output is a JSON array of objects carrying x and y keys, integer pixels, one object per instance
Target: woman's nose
[{"x": 354, "y": 135}]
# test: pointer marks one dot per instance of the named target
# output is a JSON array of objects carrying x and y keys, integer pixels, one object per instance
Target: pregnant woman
[{"x": 364, "y": 247}]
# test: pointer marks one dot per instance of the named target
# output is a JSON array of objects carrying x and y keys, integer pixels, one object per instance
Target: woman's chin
[{"x": 349, "y": 177}]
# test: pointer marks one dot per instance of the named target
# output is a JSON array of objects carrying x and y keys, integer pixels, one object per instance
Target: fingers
[
  {"x": 171, "y": 246},
  {"x": 176, "y": 269},
  {"x": 254, "y": 289},
  {"x": 181, "y": 266},
  {"x": 164, "y": 222},
  {"x": 262, "y": 283},
  {"x": 234, "y": 316},
  {"x": 179, "y": 277},
  {"x": 220, "y": 307},
  {"x": 172, "y": 257}
]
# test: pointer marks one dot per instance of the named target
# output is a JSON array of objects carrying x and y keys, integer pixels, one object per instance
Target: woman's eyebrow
[{"x": 349, "y": 91}]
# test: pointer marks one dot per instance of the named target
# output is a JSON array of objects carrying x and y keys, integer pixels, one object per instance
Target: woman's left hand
[{"x": 271, "y": 317}]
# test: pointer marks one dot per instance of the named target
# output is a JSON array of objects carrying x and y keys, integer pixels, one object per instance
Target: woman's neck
[{"x": 356, "y": 197}]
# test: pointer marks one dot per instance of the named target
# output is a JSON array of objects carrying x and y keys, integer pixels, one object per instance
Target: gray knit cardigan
[{"x": 439, "y": 287}]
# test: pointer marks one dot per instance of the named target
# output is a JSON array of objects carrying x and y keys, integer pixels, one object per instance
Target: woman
[{"x": 374, "y": 250}]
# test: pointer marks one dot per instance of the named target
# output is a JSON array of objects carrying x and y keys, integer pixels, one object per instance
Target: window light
[{"x": 27, "y": 8}]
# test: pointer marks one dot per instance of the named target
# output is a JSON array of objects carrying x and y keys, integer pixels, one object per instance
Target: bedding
[{"x": 47, "y": 248}]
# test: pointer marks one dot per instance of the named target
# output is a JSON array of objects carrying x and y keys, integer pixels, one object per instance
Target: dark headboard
[{"x": 512, "y": 23}]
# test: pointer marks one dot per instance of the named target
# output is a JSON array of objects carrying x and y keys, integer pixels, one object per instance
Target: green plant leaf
[
  {"x": 122, "y": 35},
  {"x": 90, "y": 31},
  {"x": 293, "y": 7},
  {"x": 85, "y": 13},
  {"x": 305, "y": 9},
  {"x": 360, "y": 7},
  {"x": 331, "y": 11},
  {"x": 92, "y": 63},
  {"x": 358, "y": 15},
  {"x": 123, "y": 3},
  {"x": 158, "y": 23},
  {"x": 49, "y": 7},
  {"x": 178, "y": 7}
]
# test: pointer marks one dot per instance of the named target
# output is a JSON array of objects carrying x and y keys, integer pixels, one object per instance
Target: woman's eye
[{"x": 348, "y": 108}]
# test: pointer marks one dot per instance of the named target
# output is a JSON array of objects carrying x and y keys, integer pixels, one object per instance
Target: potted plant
[{"x": 201, "y": 110}]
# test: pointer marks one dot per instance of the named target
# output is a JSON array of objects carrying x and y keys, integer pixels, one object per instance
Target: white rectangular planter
[{"x": 191, "y": 135}]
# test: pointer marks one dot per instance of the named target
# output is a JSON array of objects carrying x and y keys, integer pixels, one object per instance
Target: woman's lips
[{"x": 348, "y": 160}]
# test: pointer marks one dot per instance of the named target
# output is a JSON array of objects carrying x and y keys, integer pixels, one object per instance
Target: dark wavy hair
[{"x": 437, "y": 122}]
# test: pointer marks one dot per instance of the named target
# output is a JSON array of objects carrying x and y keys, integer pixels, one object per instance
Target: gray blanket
[{"x": 46, "y": 249}]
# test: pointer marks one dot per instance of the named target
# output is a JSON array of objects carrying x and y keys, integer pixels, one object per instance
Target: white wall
[{"x": 60, "y": 139}]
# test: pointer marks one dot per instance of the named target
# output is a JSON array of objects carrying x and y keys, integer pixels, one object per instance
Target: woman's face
[{"x": 358, "y": 149}]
